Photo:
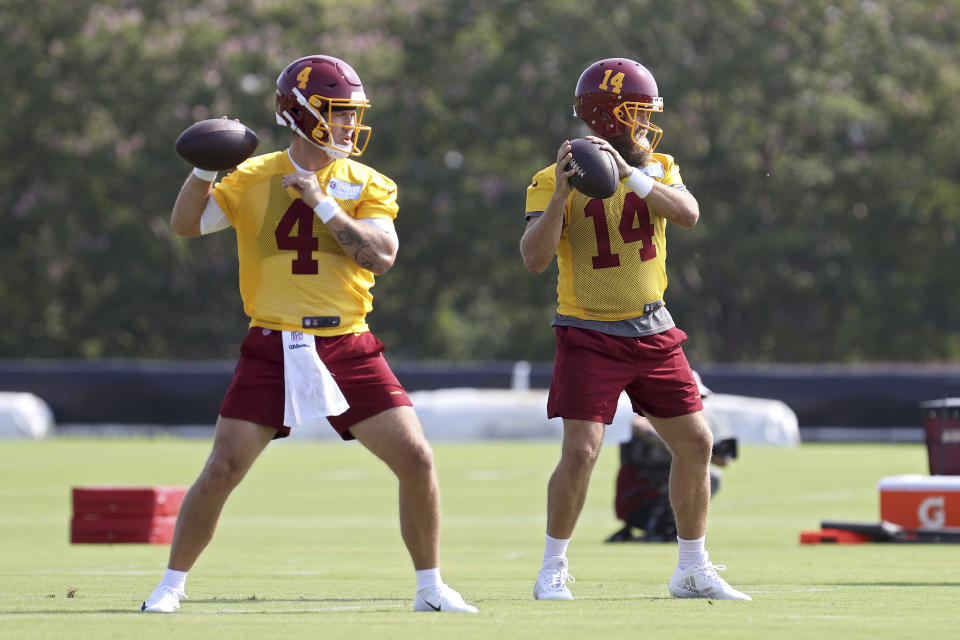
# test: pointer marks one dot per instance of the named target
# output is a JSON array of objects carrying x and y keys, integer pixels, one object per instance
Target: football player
[
  {"x": 313, "y": 228},
  {"x": 613, "y": 330}
]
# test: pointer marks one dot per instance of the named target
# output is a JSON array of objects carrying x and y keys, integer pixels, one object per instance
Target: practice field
[{"x": 309, "y": 547}]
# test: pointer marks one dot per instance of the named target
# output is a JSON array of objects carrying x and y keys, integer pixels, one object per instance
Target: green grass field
[{"x": 309, "y": 547}]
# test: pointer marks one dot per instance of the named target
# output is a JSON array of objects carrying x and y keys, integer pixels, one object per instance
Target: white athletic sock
[
  {"x": 555, "y": 547},
  {"x": 691, "y": 552},
  {"x": 174, "y": 579},
  {"x": 428, "y": 578}
]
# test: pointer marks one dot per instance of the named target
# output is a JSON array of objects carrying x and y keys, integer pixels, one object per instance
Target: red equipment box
[
  {"x": 930, "y": 503},
  {"x": 833, "y": 536},
  {"x": 156, "y": 530},
  {"x": 108, "y": 514},
  {"x": 125, "y": 502}
]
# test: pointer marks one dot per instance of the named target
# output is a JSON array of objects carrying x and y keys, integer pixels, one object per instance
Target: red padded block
[
  {"x": 110, "y": 514},
  {"x": 833, "y": 536},
  {"x": 127, "y": 502},
  {"x": 152, "y": 530}
]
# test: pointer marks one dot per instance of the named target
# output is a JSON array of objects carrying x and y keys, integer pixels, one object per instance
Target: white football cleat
[
  {"x": 441, "y": 599},
  {"x": 552, "y": 581},
  {"x": 164, "y": 599},
  {"x": 703, "y": 581}
]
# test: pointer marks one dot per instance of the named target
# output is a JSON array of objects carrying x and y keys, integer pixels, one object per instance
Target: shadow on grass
[
  {"x": 321, "y": 605},
  {"x": 952, "y": 585}
]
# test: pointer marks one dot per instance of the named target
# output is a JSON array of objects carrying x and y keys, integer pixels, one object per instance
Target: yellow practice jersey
[
  {"x": 293, "y": 274},
  {"x": 612, "y": 253}
]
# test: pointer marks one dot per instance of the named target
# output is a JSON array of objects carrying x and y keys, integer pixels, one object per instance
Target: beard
[{"x": 634, "y": 154}]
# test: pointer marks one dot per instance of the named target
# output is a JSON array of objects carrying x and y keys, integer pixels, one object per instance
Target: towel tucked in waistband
[{"x": 310, "y": 392}]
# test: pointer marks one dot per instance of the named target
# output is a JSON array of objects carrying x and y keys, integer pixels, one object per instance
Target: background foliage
[{"x": 819, "y": 138}]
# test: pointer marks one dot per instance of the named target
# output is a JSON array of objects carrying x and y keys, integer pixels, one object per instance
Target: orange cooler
[{"x": 931, "y": 503}]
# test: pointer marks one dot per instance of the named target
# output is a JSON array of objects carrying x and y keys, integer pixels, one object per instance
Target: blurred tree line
[{"x": 819, "y": 137}]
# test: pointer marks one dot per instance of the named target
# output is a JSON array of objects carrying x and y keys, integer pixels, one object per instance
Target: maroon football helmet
[
  {"x": 309, "y": 90},
  {"x": 616, "y": 93}
]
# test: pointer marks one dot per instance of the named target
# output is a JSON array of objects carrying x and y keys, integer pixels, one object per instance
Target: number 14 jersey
[
  {"x": 294, "y": 276},
  {"x": 612, "y": 252}
]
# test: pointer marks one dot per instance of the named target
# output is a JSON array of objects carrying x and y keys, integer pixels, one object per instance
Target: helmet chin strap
[{"x": 333, "y": 149}]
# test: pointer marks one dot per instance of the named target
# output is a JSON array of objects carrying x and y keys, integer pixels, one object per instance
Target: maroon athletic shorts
[
  {"x": 591, "y": 369},
  {"x": 355, "y": 360}
]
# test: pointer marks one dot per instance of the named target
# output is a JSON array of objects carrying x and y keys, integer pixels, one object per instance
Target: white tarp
[
  {"x": 483, "y": 414},
  {"x": 24, "y": 415}
]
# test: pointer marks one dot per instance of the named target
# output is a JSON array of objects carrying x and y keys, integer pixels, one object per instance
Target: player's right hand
[
  {"x": 307, "y": 185},
  {"x": 562, "y": 172}
]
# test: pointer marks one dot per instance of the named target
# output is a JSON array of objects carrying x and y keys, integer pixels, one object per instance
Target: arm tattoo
[
  {"x": 362, "y": 254},
  {"x": 348, "y": 237},
  {"x": 363, "y": 259}
]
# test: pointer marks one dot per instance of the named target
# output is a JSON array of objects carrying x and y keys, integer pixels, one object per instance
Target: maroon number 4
[{"x": 304, "y": 242}]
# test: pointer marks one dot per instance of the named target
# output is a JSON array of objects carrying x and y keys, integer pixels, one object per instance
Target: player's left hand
[
  {"x": 622, "y": 166},
  {"x": 307, "y": 185}
]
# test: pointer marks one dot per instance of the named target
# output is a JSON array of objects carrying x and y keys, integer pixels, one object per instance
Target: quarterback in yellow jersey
[
  {"x": 275, "y": 293},
  {"x": 313, "y": 228},
  {"x": 614, "y": 333}
]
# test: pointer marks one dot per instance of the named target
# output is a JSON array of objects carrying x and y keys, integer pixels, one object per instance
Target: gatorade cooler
[
  {"x": 921, "y": 502},
  {"x": 109, "y": 514},
  {"x": 941, "y": 423}
]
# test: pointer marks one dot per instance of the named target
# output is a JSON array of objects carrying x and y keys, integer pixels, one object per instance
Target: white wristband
[
  {"x": 326, "y": 209},
  {"x": 640, "y": 183},
  {"x": 203, "y": 174}
]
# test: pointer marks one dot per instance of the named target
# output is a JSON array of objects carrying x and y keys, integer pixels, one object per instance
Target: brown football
[
  {"x": 216, "y": 144},
  {"x": 596, "y": 174}
]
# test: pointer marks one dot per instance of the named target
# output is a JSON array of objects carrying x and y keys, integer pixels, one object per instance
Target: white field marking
[
  {"x": 496, "y": 474},
  {"x": 625, "y": 596},
  {"x": 148, "y": 572},
  {"x": 806, "y": 590},
  {"x": 190, "y": 611},
  {"x": 345, "y": 475},
  {"x": 358, "y": 607},
  {"x": 483, "y": 521},
  {"x": 839, "y": 494},
  {"x": 297, "y": 573},
  {"x": 315, "y": 521},
  {"x": 97, "y": 572}
]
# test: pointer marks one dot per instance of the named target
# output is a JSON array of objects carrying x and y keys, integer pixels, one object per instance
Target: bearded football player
[{"x": 614, "y": 332}]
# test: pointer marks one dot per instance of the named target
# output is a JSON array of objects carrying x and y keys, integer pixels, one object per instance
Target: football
[
  {"x": 217, "y": 144},
  {"x": 596, "y": 174}
]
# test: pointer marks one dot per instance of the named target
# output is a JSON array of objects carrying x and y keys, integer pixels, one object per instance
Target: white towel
[{"x": 310, "y": 392}]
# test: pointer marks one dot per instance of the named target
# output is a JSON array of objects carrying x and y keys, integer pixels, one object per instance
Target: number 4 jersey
[
  {"x": 294, "y": 276},
  {"x": 612, "y": 252}
]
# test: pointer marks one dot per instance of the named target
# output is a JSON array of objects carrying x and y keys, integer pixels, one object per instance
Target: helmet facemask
[
  {"x": 636, "y": 115},
  {"x": 322, "y": 134}
]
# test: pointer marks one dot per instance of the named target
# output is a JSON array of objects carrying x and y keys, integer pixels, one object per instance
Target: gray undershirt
[{"x": 646, "y": 325}]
